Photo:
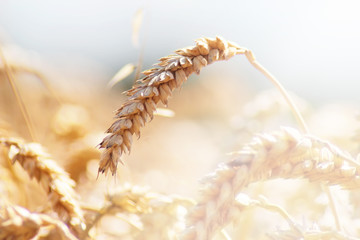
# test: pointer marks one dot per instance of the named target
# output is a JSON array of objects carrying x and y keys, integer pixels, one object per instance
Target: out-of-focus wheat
[
  {"x": 17, "y": 223},
  {"x": 54, "y": 180},
  {"x": 70, "y": 122},
  {"x": 156, "y": 86},
  {"x": 157, "y": 213},
  {"x": 283, "y": 154},
  {"x": 23, "y": 68}
]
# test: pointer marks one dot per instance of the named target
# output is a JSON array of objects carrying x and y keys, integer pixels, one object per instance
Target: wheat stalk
[
  {"x": 296, "y": 231},
  {"x": 23, "y": 108},
  {"x": 54, "y": 180},
  {"x": 157, "y": 86},
  {"x": 283, "y": 154},
  {"x": 20, "y": 224}
]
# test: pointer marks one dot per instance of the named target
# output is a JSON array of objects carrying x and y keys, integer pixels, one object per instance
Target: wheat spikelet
[
  {"x": 17, "y": 223},
  {"x": 155, "y": 87},
  {"x": 54, "y": 180},
  {"x": 283, "y": 154}
]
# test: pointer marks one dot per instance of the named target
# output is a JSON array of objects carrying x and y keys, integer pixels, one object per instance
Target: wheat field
[{"x": 198, "y": 159}]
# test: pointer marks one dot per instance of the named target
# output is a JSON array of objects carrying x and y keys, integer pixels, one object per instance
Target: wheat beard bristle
[{"x": 157, "y": 86}]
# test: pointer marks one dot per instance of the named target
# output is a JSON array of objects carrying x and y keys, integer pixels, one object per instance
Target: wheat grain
[
  {"x": 283, "y": 154},
  {"x": 54, "y": 180},
  {"x": 155, "y": 87},
  {"x": 17, "y": 223}
]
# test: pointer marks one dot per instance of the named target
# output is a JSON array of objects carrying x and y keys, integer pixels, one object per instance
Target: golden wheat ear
[
  {"x": 157, "y": 85},
  {"x": 54, "y": 180}
]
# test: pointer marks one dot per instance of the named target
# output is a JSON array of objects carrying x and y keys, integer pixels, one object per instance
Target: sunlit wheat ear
[
  {"x": 283, "y": 154},
  {"x": 157, "y": 86},
  {"x": 55, "y": 181},
  {"x": 20, "y": 224}
]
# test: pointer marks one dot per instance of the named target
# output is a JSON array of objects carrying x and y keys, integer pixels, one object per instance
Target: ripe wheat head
[{"x": 157, "y": 85}]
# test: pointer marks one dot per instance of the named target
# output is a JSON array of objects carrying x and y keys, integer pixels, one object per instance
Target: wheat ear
[
  {"x": 157, "y": 85},
  {"x": 18, "y": 223},
  {"x": 55, "y": 181},
  {"x": 283, "y": 154}
]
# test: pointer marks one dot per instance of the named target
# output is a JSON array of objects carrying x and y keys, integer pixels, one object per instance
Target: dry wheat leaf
[
  {"x": 136, "y": 24},
  {"x": 121, "y": 74}
]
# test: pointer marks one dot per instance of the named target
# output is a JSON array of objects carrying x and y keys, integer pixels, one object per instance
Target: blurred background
[
  {"x": 311, "y": 46},
  {"x": 75, "y": 47}
]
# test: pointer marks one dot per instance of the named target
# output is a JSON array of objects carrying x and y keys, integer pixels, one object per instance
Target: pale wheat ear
[
  {"x": 251, "y": 58},
  {"x": 284, "y": 154}
]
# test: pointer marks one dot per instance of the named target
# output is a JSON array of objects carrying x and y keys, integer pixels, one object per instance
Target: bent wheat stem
[
  {"x": 243, "y": 201},
  {"x": 251, "y": 58}
]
